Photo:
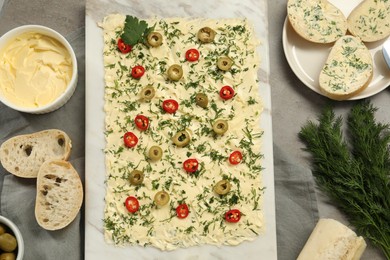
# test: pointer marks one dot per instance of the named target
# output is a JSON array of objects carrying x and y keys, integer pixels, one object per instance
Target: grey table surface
[{"x": 292, "y": 105}]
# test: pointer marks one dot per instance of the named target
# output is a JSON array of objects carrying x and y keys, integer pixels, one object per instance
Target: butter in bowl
[{"x": 38, "y": 69}]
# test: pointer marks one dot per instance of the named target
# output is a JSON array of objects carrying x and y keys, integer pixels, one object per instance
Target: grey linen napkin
[
  {"x": 17, "y": 198},
  {"x": 296, "y": 205}
]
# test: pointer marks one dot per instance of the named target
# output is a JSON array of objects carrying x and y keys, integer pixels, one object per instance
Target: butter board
[{"x": 95, "y": 246}]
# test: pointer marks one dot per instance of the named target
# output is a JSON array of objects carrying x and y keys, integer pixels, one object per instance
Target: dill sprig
[{"x": 356, "y": 177}]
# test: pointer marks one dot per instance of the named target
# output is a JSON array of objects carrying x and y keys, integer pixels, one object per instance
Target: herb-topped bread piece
[
  {"x": 23, "y": 155},
  {"x": 370, "y": 20},
  {"x": 316, "y": 21},
  {"x": 348, "y": 69}
]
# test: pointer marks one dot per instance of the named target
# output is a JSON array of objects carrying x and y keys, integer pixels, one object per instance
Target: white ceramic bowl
[
  {"x": 65, "y": 96},
  {"x": 16, "y": 232}
]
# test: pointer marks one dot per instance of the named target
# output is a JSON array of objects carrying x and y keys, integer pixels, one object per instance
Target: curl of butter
[{"x": 35, "y": 70}]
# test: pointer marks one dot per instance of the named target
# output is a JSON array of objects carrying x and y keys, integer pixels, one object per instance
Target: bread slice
[
  {"x": 370, "y": 20},
  {"x": 59, "y": 195},
  {"x": 317, "y": 20},
  {"x": 332, "y": 240},
  {"x": 348, "y": 69},
  {"x": 23, "y": 155}
]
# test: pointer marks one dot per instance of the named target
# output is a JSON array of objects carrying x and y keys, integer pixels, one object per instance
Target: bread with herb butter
[
  {"x": 348, "y": 69},
  {"x": 370, "y": 20},
  {"x": 59, "y": 195},
  {"x": 316, "y": 20},
  {"x": 23, "y": 155},
  {"x": 332, "y": 240}
]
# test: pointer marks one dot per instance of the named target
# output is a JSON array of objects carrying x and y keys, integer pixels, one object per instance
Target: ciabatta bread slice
[
  {"x": 348, "y": 69},
  {"x": 370, "y": 20},
  {"x": 23, "y": 155},
  {"x": 59, "y": 195},
  {"x": 316, "y": 20},
  {"x": 332, "y": 240}
]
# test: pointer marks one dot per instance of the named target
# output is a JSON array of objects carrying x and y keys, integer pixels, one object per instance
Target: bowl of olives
[{"x": 11, "y": 240}]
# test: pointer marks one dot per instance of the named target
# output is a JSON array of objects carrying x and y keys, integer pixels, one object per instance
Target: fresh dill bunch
[{"x": 356, "y": 178}]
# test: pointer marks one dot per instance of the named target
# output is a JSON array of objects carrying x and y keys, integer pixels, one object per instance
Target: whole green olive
[
  {"x": 222, "y": 187},
  {"x": 8, "y": 242},
  {"x": 181, "y": 138},
  {"x": 161, "y": 198},
  {"x": 147, "y": 93},
  {"x": 2, "y": 229},
  {"x": 155, "y": 153},
  {"x": 175, "y": 72},
  {"x": 154, "y": 39},
  {"x": 136, "y": 177},
  {"x": 201, "y": 100},
  {"x": 220, "y": 126},
  {"x": 206, "y": 35},
  {"x": 224, "y": 63},
  {"x": 8, "y": 256}
]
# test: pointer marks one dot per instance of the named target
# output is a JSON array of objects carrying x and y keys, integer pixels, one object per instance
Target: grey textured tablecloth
[{"x": 292, "y": 105}]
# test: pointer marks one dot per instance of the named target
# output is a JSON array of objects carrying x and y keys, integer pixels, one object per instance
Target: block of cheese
[
  {"x": 370, "y": 20},
  {"x": 348, "y": 69},
  {"x": 332, "y": 240},
  {"x": 316, "y": 20}
]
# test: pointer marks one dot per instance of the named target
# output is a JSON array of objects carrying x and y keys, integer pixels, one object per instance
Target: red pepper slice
[
  {"x": 226, "y": 92},
  {"x": 132, "y": 204},
  {"x": 137, "y": 71},
  {"x": 192, "y": 55},
  {"x": 142, "y": 122},
  {"x": 191, "y": 165},
  {"x": 235, "y": 157},
  {"x": 182, "y": 211},
  {"x": 233, "y": 216},
  {"x": 170, "y": 106},
  {"x": 130, "y": 139},
  {"x": 123, "y": 47}
]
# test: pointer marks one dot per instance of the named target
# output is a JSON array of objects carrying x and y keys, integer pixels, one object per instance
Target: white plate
[
  {"x": 306, "y": 59},
  {"x": 95, "y": 247}
]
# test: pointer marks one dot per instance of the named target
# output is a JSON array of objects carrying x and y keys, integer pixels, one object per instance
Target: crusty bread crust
[
  {"x": 370, "y": 20},
  {"x": 59, "y": 195},
  {"x": 23, "y": 155},
  {"x": 316, "y": 20},
  {"x": 348, "y": 69},
  {"x": 331, "y": 239}
]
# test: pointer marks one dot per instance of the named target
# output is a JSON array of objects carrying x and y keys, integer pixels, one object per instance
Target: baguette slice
[
  {"x": 332, "y": 240},
  {"x": 370, "y": 20},
  {"x": 317, "y": 20},
  {"x": 23, "y": 155},
  {"x": 348, "y": 69},
  {"x": 59, "y": 195}
]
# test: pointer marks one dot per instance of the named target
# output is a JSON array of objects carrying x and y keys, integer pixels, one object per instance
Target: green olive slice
[
  {"x": 201, "y": 100},
  {"x": 155, "y": 153},
  {"x": 220, "y": 126},
  {"x": 147, "y": 93},
  {"x": 175, "y": 72},
  {"x": 224, "y": 63},
  {"x": 136, "y": 177},
  {"x": 154, "y": 39},
  {"x": 161, "y": 198},
  {"x": 222, "y": 187},
  {"x": 181, "y": 138},
  {"x": 206, "y": 35}
]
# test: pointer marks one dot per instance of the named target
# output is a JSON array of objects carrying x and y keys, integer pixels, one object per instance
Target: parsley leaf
[{"x": 135, "y": 31}]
